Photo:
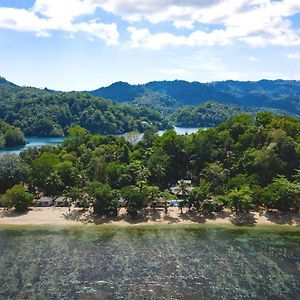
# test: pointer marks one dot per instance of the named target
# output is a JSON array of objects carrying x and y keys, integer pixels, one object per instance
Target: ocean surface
[
  {"x": 33, "y": 142},
  {"x": 38, "y": 142},
  {"x": 166, "y": 262}
]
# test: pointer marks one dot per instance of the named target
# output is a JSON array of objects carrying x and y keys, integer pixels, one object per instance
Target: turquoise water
[
  {"x": 175, "y": 202},
  {"x": 32, "y": 142},
  {"x": 181, "y": 130},
  {"x": 38, "y": 142},
  {"x": 194, "y": 262}
]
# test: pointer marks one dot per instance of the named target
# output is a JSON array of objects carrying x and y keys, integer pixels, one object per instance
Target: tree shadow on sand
[
  {"x": 193, "y": 216},
  {"x": 243, "y": 219},
  {"x": 283, "y": 218},
  {"x": 159, "y": 216},
  {"x": 169, "y": 219},
  {"x": 218, "y": 215},
  {"x": 76, "y": 215},
  {"x": 154, "y": 215},
  {"x": 88, "y": 217},
  {"x": 11, "y": 213}
]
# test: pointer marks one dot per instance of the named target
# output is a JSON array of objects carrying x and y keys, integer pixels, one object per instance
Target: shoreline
[{"x": 61, "y": 216}]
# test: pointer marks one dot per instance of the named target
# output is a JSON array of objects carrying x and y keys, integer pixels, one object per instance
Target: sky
[{"x": 86, "y": 44}]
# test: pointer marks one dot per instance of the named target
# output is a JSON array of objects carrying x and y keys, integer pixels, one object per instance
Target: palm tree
[{"x": 183, "y": 188}]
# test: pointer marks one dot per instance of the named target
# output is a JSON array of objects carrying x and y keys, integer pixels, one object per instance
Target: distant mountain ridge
[
  {"x": 44, "y": 112},
  {"x": 138, "y": 95},
  {"x": 169, "y": 96},
  {"x": 277, "y": 94},
  {"x": 6, "y": 83}
]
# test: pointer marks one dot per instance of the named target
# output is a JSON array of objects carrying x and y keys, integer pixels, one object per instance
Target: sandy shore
[{"x": 64, "y": 216}]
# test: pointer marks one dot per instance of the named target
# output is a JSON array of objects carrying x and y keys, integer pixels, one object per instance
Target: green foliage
[
  {"x": 158, "y": 164},
  {"x": 139, "y": 96},
  {"x": 210, "y": 206},
  {"x": 152, "y": 194},
  {"x": 12, "y": 171},
  {"x": 216, "y": 175},
  {"x": 18, "y": 198},
  {"x": 96, "y": 168},
  {"x": 238, "y": 161},
  {"x": 53, "y": 184},
  {"x": 78, "y": 196},
  {"x": 207, "y": 114},
  {"x": 117, "y": 176},
  {"x": 135, "y": 199},
  {"x": 42, "y": 167},
  {"x": 40, "y": 113},
  {"x": 282, "y": 194},
  {"x": 106, "y": 200},
  {"x": 10, "y": 136},
  {"x": 240, "y": 200},
  {"x": 199, "y": 194},
  {"x": 166, "y": 96},
  {"x": 67, "y": 173}
]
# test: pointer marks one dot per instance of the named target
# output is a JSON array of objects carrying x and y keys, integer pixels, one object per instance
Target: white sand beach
[{"x": 75, "y": 216}]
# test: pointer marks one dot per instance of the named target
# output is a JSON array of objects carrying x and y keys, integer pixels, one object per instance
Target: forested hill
[
  {"x": 278, "y": 94},
  {"x": 212, "y": 113},
  {"x": 43, "y": 112},
  {"x": 138, "y": 95},
  {"x": 7, "y": 84},
  {"x": 48, "y": 113}
]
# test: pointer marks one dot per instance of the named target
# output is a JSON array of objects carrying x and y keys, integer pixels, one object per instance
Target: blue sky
[{"x": 86, "y": 44}]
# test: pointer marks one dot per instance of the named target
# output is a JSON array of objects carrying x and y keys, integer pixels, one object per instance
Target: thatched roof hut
[{"x": 43, "y": 202}]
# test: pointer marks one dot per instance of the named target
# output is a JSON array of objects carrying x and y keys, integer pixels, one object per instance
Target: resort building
[
  {"x": 62, "y": 201},
  {"x": 43, "y": 202}
]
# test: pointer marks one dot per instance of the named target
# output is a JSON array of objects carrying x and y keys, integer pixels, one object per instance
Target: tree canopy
[
  {"x": 10, "y": 136},
  {"x": 42, "y": 113},
  {"x": 246, "y": 163}
]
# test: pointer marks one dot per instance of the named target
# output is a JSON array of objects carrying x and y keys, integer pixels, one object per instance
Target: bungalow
[
  {"x": 62, "y": 201},
  {"x": 43, "y": 202}
]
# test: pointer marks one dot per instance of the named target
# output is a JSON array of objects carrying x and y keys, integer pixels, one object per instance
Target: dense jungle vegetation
[
  {"x": 271, "y": 94},
  {"x": 244, "y": 164},
  {"x": 46, "y": 113}
]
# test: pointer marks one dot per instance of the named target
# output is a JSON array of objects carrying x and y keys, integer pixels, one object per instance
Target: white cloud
[
  {"x": 107, "y": 32},
  {"x": 253, "y": 59},
  {"x": 143, "y": 38},
  {"x": 293, "y": 55},
  {"x": 43, "y": 34},
  {"x": 21, "y": 20},
  {"x": 254, "y": 22},
  {"x": 257, "y": 36},
  {"x": 63, "y": 11},
  {"x": 55, "y": 15},
  {"x": 198, "y": 11}
]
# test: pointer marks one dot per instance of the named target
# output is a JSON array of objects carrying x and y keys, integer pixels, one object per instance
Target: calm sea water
[
  {"x": 149, "y": 263},
  {"x": 181, "y": 130},
  {"x": 32, "y": 142},
  {"x": 38, "y": 142}
]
